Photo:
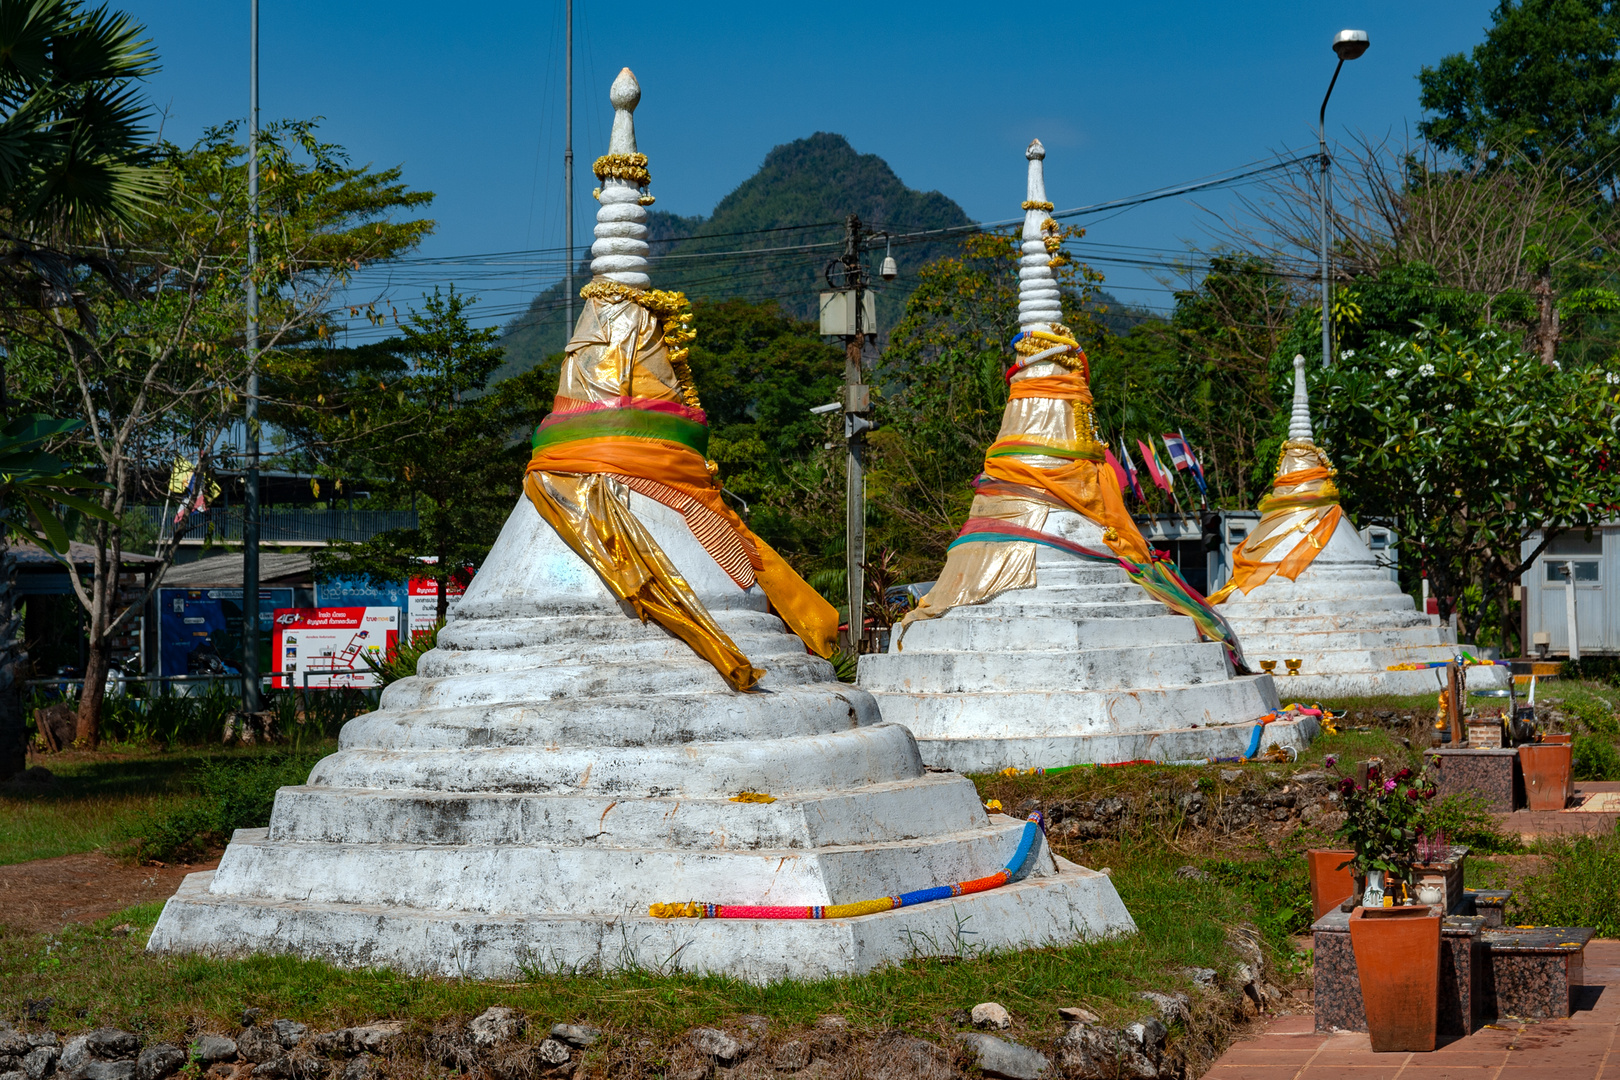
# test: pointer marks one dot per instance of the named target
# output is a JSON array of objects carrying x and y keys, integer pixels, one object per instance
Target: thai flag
[
  {"x": 1152, "y": 464},
  {"x": 1181, "y": 453},
  {"x": 1130, "y": 472}
]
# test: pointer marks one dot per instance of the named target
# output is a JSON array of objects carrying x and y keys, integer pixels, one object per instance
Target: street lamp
[{"x": 1347, "y": 44}]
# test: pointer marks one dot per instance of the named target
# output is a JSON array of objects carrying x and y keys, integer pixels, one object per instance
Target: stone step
[
  {"x": 939, "y": 802},
  {"x": 1039, "y": 604},
  {"x": 618, "y": 720},
  {"x": 985, "y": 755},
  {"x": 762, "y": 649},
  {"x": 1251, "y": 622},
  {"x": 1332, "y": 606},
  {"x": 1126, "y": 592},
  {"x": 1334, "y": 686},
  {"x": 1267, "y": 645},
  {"x": 1031, "y": 913},
  {"x": 880, "y": 753},
  {"x": 1001, "y": 633},
  {"x": 1280, "y": 589},
  {"x": 1062, "y": 670},
  {"x": 1071, "y": 713},
  {"x": 676, "y": 675},
  {"x": 496, "y": 879},
  {"x": 517, "y": 632}
]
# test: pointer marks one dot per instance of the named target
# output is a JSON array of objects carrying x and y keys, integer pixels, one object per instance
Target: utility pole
[
  {"x": 251, "y": 700},
  {"x": 857, "y": 405},
  {"x": 568, "y": 175},
  {"x": 1347, "y": 45}
]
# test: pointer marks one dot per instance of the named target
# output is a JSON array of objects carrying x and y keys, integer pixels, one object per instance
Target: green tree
[
  {"x": 1466, "y": 446},
  {"x": 1544, "y": 82},
  {"x": 418, "y": 412},
  {"x": 149, "y": 353}
]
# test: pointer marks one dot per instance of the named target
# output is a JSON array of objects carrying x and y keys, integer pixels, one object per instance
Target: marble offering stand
[{"x": 1493, "y": 774}]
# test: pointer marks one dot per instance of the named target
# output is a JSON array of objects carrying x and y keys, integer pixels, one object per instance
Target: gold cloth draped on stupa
[{"x": 1303, "y": 499}]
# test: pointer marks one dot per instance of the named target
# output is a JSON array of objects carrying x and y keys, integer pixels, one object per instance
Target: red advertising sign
[
  {"x": 322, "y": 648},
  {"x": 423, "y": 597}
]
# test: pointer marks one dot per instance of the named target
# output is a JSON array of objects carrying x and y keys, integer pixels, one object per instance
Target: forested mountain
[{"x": 802, "y": 192}]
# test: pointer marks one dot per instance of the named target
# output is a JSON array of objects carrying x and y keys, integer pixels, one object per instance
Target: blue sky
[{"x": 1126, "y": 97}]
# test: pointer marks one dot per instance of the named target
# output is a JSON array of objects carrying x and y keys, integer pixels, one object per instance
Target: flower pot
[
  {"x": 1330, "y": 886},
  {"x": 1398, "y": 960},
  {"x": 1546, "y": 768},
  {"x": 1557, "y": 738}
]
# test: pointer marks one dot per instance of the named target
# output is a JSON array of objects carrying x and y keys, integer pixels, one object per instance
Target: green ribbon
[{"x": 622, "y": 423}]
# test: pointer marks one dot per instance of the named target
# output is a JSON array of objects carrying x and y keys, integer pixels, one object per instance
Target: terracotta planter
[
  {"x": 1547, "y": 782},
  {"x": 1398, "y": 960},
  {"x": 1330, "y": 886},
  {"x": 1563, "y": 739}
]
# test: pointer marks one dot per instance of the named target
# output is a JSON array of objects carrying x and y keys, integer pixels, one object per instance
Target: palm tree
[{"x": 75, "y": 158}]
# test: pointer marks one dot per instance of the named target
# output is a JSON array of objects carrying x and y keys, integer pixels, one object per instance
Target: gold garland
[
  {"x": 673, "y": 309},
  {"x": 1029, "y": 204},
  {"x": 1052, "y": 237},
  {"x": 628, "y": 167}
]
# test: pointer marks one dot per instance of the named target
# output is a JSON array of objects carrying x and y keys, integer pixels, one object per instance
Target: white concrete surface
[{"x": 557, "y": 766}]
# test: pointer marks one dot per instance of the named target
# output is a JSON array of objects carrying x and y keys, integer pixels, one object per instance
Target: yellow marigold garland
[
  {"x": 628, "y": 167},
  {"x": 1029, "y": 204}
]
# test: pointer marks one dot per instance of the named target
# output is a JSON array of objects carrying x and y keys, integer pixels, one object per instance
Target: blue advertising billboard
[{"x": 200, "y": 630}]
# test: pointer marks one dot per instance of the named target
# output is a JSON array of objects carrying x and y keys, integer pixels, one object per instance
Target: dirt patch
[{"x": 47, "y": 893}]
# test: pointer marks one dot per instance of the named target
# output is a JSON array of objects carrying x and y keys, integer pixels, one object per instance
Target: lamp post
[{"x": 1347, "y": 44}]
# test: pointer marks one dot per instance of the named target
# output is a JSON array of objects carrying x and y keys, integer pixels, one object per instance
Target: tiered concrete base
[
  {"x": 557, "y": 766},
  {"x": 1349, "y": 623},
  {"x": 1083, "y": 668}
]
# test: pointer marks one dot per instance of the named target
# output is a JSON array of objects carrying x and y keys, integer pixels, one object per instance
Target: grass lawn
[{"x": 101, "y": 800}]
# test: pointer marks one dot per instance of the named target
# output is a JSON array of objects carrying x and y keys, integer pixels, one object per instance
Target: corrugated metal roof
[{"x": 225, "y": 571}]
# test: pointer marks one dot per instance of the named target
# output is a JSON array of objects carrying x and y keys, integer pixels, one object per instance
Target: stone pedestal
[
  {"x": 1337, "y": 995},
  {"x": 556, "y": 766},
  {"x": 1494, "y": 775},
  {"x": 1448, "y": 875},
  {"x": 1533, "y": 973},
  {"x": 1085, "y": 667},
  {"x": 1488, "y": 904}
]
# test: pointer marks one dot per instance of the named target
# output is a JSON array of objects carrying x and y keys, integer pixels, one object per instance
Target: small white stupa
[
  {"x": 564, "y": 785},
  {"x": 1052, "y": 638},
  {"x": 1305, "y": 587}
]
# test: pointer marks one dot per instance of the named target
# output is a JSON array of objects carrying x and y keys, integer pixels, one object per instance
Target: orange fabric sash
[
  {"x": 1089, "y": 488},
  {"x": 1066, "y": 387},
  {"x": 1249, "y": 573},
  {"x": 804, "y": 610}
]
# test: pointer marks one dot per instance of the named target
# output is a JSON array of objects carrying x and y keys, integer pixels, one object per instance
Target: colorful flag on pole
[
  {"x": 1196, "y": 469},
  {"x": 1180, "y": 455},
  {"x": 1130, "y": 470},
  {"x": 1152, "y": 464}
]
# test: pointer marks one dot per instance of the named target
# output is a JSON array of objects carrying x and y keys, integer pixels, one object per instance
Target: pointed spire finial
[
  {"x": 1040, "y": 303},
  {"x": 620, "y": 251},
  {"x": 1299, "y": 422}
]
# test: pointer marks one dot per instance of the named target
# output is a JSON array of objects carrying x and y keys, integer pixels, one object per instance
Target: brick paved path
[{"x": 1583, "y": 1047}]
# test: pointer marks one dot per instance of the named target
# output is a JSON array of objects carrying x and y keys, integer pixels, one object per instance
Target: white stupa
[
  {"x": 558, "y": 767},
  {"x": 1333, "y": 608},
  {"x": 1026, "y": 656}
]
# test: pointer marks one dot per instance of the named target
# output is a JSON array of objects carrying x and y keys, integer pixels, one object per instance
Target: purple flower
[
  {"x": 1331, "y": 760},
  {"x": 1389, "y": 785}
]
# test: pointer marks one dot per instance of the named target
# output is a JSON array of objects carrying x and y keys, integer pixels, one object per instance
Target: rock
[
  {"x": 211, "y": 1048},
  {"x": 14, "y": 1074},
  {"x": 1191, "y": 873},
  {"x": 363, "y": 1067},
  {"x": 1231, "y": 776},
  {"x": 44, "y": 1038},
  {"x": 791, "y": 1056},
  {"x": 1310, "y": 774},
  {"x": 258, "y": 1044},
  {"x": 40, "y": 1062},
  {"x": 717, "y": 1044},
  {"x": 1173, "y": 1008},
  {"x": 158, "y": 1061},
  {"x": 109, "y": 1070},
  {"x": 551, "y": 1053},
  {"x": 299, "y": 1065},
  {"x": 37, "y": 1009},
  {"x": 13, "y": 1043},
  {"x": 1204, "y": 978},
  {"x": 1008, "y": 1060},
  {"x": 109, "y": 1044},
  {"x": 495, "y": 1025},
  {"x": 990, "y": 1015},
  {"x": 1144, "y": 1042},
  {"x": 289, "y": 1033},
  {"x": 576, "y": 1035},
  {"x": 250, "y": 1016},
  {"x": 346, "y": 1042},
  {"x": 1074, "y": 1014}
]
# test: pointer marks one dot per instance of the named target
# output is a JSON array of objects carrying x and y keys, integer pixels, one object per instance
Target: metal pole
[
  {"x": 251, "y": 700},
  {"x": 1322, "y": 151},
  {"x": 568, "y": 177},
  {"x": 854, "y": 424},
  {"x": 1569, "y": 611}
]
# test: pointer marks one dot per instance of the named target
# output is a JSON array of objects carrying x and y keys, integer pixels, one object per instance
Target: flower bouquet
[{"x": 1384, "y": 816}]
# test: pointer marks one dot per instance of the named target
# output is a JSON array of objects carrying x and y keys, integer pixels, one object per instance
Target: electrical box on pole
[{"x": 838, "y": 312}]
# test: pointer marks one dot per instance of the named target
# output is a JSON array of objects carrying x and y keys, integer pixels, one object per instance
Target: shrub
[
  {"x": 236, "y": 793},
  {"x": 400, "y": 663},
  {"x": 1595, "y": 716},
  {"x": 1465, "y": 819},
  {"x": 1595, "y": 758},
  {"x": 1579, "y": 886}
]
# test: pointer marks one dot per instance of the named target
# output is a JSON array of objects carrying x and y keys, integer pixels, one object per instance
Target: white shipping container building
[{"x": 1547, "y": 593}]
